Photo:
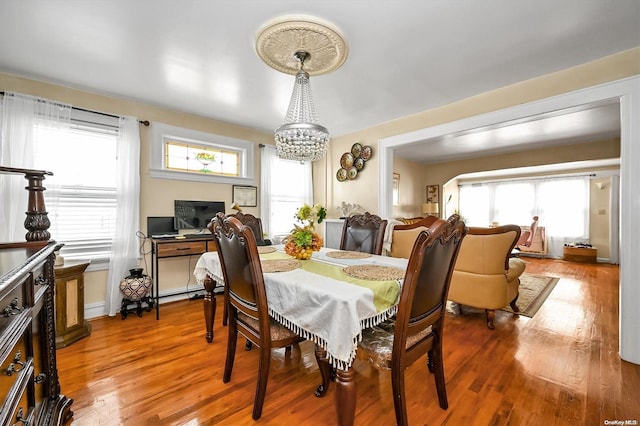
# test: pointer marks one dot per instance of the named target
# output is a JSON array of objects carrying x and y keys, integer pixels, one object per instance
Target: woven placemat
[
  {"x": 374, "y": 272},
  {"x": 266, "y": 249},
  {"x": 280, "y": 265},
  {"x": 348, "y": 255}
]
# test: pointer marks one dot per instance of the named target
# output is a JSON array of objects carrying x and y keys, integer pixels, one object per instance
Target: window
[
  {"x": 178, "y": 153},
  {"x": 81, "y": 195},
  {"x": 562, "y": 203},
  {"x": 286, "y": 186}
]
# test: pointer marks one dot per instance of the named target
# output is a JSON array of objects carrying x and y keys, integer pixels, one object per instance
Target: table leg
[
  {"x": 325, "y": 371},
  {"x": 345, "y": 396},
  {"x": 209, "y": 307}
]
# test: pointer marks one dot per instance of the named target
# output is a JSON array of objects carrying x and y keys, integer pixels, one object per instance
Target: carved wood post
[{"x": 37, "y": 220}]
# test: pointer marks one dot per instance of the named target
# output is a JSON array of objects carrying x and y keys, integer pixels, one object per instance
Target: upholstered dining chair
[
  {"x": 364, "y": 233},
  {"x": 255, "y": 223},
  {"x": 418, "y": 326},
  {"x": 247, "y": 301}
]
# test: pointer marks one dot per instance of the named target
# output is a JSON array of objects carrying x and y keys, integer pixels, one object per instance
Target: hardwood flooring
[{"x": 560, "y": 367}]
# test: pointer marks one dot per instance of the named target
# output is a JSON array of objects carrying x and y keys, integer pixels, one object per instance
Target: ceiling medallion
[{"x": 280, "y": 39}]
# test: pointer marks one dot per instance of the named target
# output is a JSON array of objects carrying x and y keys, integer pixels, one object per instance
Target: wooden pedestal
[
  {"x": 580, "y": 254},
  {"x": 70, "y": 323}
]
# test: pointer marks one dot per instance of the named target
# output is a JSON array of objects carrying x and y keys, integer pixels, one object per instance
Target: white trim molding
[{"x": 626, "y": 92}]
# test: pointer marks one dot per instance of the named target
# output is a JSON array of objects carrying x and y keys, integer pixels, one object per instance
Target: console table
[{"x": 162, "y": 248}]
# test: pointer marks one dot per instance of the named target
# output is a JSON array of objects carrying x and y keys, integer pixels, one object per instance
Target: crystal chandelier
[
  {"x": 301, "y": 45},
  {"x": 301, "y": 137}
]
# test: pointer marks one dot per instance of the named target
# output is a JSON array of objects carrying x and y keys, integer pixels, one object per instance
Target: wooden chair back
[
  {"x": 254, "y": 223},
  {"x": 363, "y": 233}
]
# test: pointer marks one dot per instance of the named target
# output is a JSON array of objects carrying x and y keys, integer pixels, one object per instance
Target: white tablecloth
[{"x": 330, "y": 312}]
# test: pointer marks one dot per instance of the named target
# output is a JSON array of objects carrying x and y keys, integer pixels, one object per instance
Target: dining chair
[
  {"x": 417, "y": 328},
  {"x": 255, "y": 223},
  {"x": 247, "y": 301},
  {"x": 364, "y": 233}
]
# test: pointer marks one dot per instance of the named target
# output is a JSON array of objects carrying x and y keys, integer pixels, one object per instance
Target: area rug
[{"x": 534, "y": 290}]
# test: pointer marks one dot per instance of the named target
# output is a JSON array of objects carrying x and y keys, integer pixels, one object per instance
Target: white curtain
[
  {"x": 124, "y": 248},
  {"x": 20, "y": 116},
  {"x": 268, "y": 156},
  {"x": 286, "y": 186}
]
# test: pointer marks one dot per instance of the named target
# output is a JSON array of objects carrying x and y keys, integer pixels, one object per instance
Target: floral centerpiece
[{"x": 303, "y": 240}]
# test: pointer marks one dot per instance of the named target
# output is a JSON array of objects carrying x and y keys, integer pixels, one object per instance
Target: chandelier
[{"x": 303, "y": 46}]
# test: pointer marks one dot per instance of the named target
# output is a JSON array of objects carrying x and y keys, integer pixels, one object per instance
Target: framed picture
[
  {"x": 245, "y": 196},
  {"x": 396, "y": 189},
  {"x": 433, "y": 193}
]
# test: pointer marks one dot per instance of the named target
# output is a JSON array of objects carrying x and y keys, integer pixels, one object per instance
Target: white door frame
[{"x": 627, "y": 93}]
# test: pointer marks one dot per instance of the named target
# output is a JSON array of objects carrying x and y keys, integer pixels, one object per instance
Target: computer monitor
[
  {"x": 160, "y": 225},
  {"x": 195, "y": 214}
]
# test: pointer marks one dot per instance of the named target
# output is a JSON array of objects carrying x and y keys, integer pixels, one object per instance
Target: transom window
[
  {"x": 186, "y": 154},
  {"x": 195, "y": 158}
]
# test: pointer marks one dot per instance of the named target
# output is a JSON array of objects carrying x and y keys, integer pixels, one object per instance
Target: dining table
[{"x": 329, "y": 299}]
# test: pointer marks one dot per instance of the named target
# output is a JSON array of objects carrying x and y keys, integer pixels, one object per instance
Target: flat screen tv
[{"x": 195, "y": 214}]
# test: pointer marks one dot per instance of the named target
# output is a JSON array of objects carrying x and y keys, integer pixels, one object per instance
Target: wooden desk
[
  {"x": 162, "y": 248},
  {"x": 324, "y": 308}
]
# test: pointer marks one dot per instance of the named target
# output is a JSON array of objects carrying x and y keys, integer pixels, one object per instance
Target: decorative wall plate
[
  {"x": 352, "y": 172},
  {"x": 346, "y": 160},
  {"x": 356, "y": 149},
  {"x": 359, "y": 163},
  {"x": 366, "y": 153},
  {"x": 341, "y": 175}
]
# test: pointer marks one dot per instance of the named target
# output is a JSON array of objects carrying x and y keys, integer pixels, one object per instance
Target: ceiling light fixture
[{"x": 303, "y": 46}]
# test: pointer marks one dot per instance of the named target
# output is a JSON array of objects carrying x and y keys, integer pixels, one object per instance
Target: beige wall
[{"x": 156, "y": 195}]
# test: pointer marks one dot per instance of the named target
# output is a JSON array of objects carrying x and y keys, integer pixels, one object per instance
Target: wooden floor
[{"x": 559, "y": 368}]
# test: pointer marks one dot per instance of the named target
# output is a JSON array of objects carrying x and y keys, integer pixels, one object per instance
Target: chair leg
[
  {"x": 399, "y": 400},
  {"x": 513, "y": 305},
  {"x": 231, "y": 350},
  {"x": 263, "y": 376},
  {"x": 435, "y": 356},
  {"x": 491, "y": 315}
]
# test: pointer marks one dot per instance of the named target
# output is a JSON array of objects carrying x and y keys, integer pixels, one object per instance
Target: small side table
[
  {"x": 580, "y": 254},
  {"x": 70, "y": 323}
]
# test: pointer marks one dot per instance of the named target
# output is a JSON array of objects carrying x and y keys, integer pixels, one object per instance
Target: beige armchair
[
  {"x": 485, "y": 275},
  {"x": 404, "y": 236}
]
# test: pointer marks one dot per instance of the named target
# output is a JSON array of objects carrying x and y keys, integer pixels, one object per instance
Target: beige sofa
[{"x": 485, "y": 275}]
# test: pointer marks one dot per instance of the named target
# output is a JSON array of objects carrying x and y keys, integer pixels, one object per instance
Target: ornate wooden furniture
[
  {"x": 418, "y": 327},
  {"x": 29, "y": 386},
  {"x": 486, "y": 276},
  {"x": 363, "y": 233},
  {"x": 325, "y": 308},
  {"x": 247, "y": 301},
  {"x": 37, "y": 223},
  {"x": 254, "y": 223}
]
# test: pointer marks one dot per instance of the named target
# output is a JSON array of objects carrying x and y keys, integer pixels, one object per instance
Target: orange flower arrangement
[{"x": 303, "y": 240}]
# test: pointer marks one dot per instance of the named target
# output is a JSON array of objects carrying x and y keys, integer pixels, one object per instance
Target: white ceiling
[{"x": 404, "y": 57}]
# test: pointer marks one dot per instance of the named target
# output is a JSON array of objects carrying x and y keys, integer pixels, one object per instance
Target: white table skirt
[{"x": 330, "y": 312}]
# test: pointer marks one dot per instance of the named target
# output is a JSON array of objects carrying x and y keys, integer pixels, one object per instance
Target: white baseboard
[{"x": 95, "y": 310}]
